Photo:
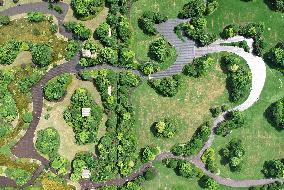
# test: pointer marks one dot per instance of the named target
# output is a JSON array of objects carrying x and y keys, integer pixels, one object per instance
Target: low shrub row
[
  {"x": 242, "y": 44},
  {"x": 195, "y": 144}
]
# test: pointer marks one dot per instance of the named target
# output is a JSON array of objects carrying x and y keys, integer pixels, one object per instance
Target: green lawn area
[
  {"x": 262, "y": 142},
  {"x": 140, "y": 42},
  {"x": 241, "y": 12},
  {"x": 167, "y": 179},
  {"x": 190, "y": 106}
]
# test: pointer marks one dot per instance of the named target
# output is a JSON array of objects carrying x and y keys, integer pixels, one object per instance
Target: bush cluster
[
  {"x": 276, "y": 56},
  {"x": 273, "y": 168},
  {"x": 208, "y": 158},
  {"x": 197, "y": 141},
  {"x": 72, "y": 49},
  {"x": 276, "y": 5},
  {"x": 117, "y": 7},
  {"x": 241, "y": 44},
  {"x": 48, "y": 141},
  {"x": 79, "y": 30},
  {"x": 275, "y": 114},
  {"x": 250, "y": 30},
  {"x": 148, "y": 20},
  {"x": 32, "y": 77},
  {"x": 56, "y": 88},
  {"x": 36, "y": 17},
  {"x": 217, "y": 110},
  {"x": 9, "y": 52},
  {"x": 197, "y": 8},
  {"x": 168, "y": 86},
  {"x": 85, "y": 128},
  {"x": 84, "y": 9},
  {"x": 199, "y": 66},
  {"x": 4, "y": 20},
  {"x": 165, "y": 128},
  {"x": 195, "y": 29},
  {"x": 19, "y": 175},
  {"x": 149, "y": 153},
  {"x": 239, "y": 77},
  {"x": 41, "y": 54},
  {"x": 159, "y": 50},
  {"x": 233, "y": 154},
  {"x": 234, "y": 120}
]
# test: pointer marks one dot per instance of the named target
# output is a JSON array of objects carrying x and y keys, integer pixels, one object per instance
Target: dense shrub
[
  {"x": 194, "y": 8},
  {"x": 275, "y": 114},
  {"x": 4, "y": 20},
  {"x": 277, "y": 5},
  {"x": 79, "y": 30},
  {"x": 48, "y": 141},
  {"x": 276, "y": 56},
  {"x": 148, "y": 20},
  {"x": 85, "y": 128},
  {"x": 5, "y": 128},
  {"x": 149, "y": 153},
  {"x": 83, "y": 9},
  {"x": 239, "y": 77},
  {"x": 149, "y": 175},
  {"x": 54, "y": 28},
  {"x": 36, "y": 17},
  {"x": 127, "y": 58},
  {"x": 55, "y": 88},
  {"x": 28, "y": 81},
  {"x": 230, "y": 31},
  {"x": 165, "y": 128},
  {"x": 28, "y": 117},
  {"x": 123, "y": 29},
  {"x": 208, "y": 183},
  {"x": 211, "y": 6},
  {"x": 216, "y": 111},
  {"x": 241, "y": 44},
  {"x": 9, "y": 51},
  {"x": 234, "y": 120},
  {"x": 192, "y": 147},
  {"x": 208, "y": 158},
  {"x": 60, "y": 164},
  {"x": 195, "y": 29},
  {"x": 149, "y": 68},
  {"x": 168, "y": 86},
  {"x": 20, "y": 176},
  {"x": 108, "y": 56},
  {"x": 8, "y": 108},
  {"x": 199, "y": 67},
  {"x": 159, "y": 50},
  {"x": 72, "y": 49},
  {"x": 42, "y": 55},
  {"x": 103, "y": 31},
  {"x": 233, "y": 154},
  {"x": 273, "y": 168}
]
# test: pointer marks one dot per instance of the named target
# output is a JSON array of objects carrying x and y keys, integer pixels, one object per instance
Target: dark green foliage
[
  {"x": 36, "y": 17},
  {"x": 123, "y": 29},
  {"x": 199, "y": 67},
  {"x": 20, "y": 176},
  {"x": 216, "y": 111},
  {"x": 230, "y": 31},
  {"x": 234, "y": 120},
  {"x": 211, "y": 6},
  {"x": 41, "y": 55},
  {"x": 79, "y": 30},
  {"x": 5, "y": 128},
  {"x": 60, "y": 164},
  {"x": 55, "y": 88},
  {"x": 168, "y": 86},
  {"x": 252, "y": 30},
  {"x": 8, "y": 108},
  {"x": 208, "y": 183},
  {"x": 166, "y": 128},
  {"x": 192, "y": 147},
  {"x": 85, "y": 128},
  {"x": 241, "y": 44},
  {"x": 9, "y": 51},
  {"x": 208, "y": 158},
  {"x": 239, "y": 77},
  {"x": 195, "y": 29},
  {"x": 233, "y": 154},
  {"x": 149, "y": 153},
  {"x": 28, "y": 117},
  {"x": 276, "y": 56},
  {"x": 272, "y": 186},
  {"x": 4, "y": 20},
  {"x": 72, "y": 49},
  {"x": 28, "y": 81},
  {"x": 149, "y": 68},
  {"x": 48, "y": 141},
  {"x": 53, "y": 28},
  {"x": 159, "y": 50},
  {"x": 149, "y": 175},
  {"x": 127, "y": 58},
  {"x": 275, "y": 114},
  {"x": 108, "y": 55},
  {"x": 273, "y": 168},
  {"x": 148, "y": 20},
  {"x": 276, "y": 5},
  {"x": 194, "y": 8},
  {"x": 84, "y": 9}
]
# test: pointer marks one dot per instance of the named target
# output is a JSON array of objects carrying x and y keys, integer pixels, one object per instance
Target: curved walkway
[{"x": 186, "y": 52}]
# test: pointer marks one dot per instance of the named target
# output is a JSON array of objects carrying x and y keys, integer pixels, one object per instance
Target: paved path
[{"x": 186, "y": 52}]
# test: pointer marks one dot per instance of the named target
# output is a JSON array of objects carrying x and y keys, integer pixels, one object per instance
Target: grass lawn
[
  {"x": 167, "y": 179},
  {"x": 140, "y": 42},
  {"x": 256, "y": 11},
  {"x": 68, "y": 148},
  {"x": 190, "y": 106},
  {"x": 40, "y": 32},
  {"x": 262, "y": 141}
]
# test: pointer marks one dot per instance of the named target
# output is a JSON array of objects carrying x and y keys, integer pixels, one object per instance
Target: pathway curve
[{"x": 186, "y": 52}]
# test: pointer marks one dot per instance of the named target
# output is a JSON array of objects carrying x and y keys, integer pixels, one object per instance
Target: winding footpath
[{"x": 186, "y": 51}]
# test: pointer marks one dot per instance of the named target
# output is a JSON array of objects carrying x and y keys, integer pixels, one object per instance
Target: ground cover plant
[
  {"x": 56, "y": 88},
  {"x": 85, "y": 128}
]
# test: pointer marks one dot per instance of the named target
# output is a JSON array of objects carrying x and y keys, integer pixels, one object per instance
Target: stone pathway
[{"x": 186, "y": 52}]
